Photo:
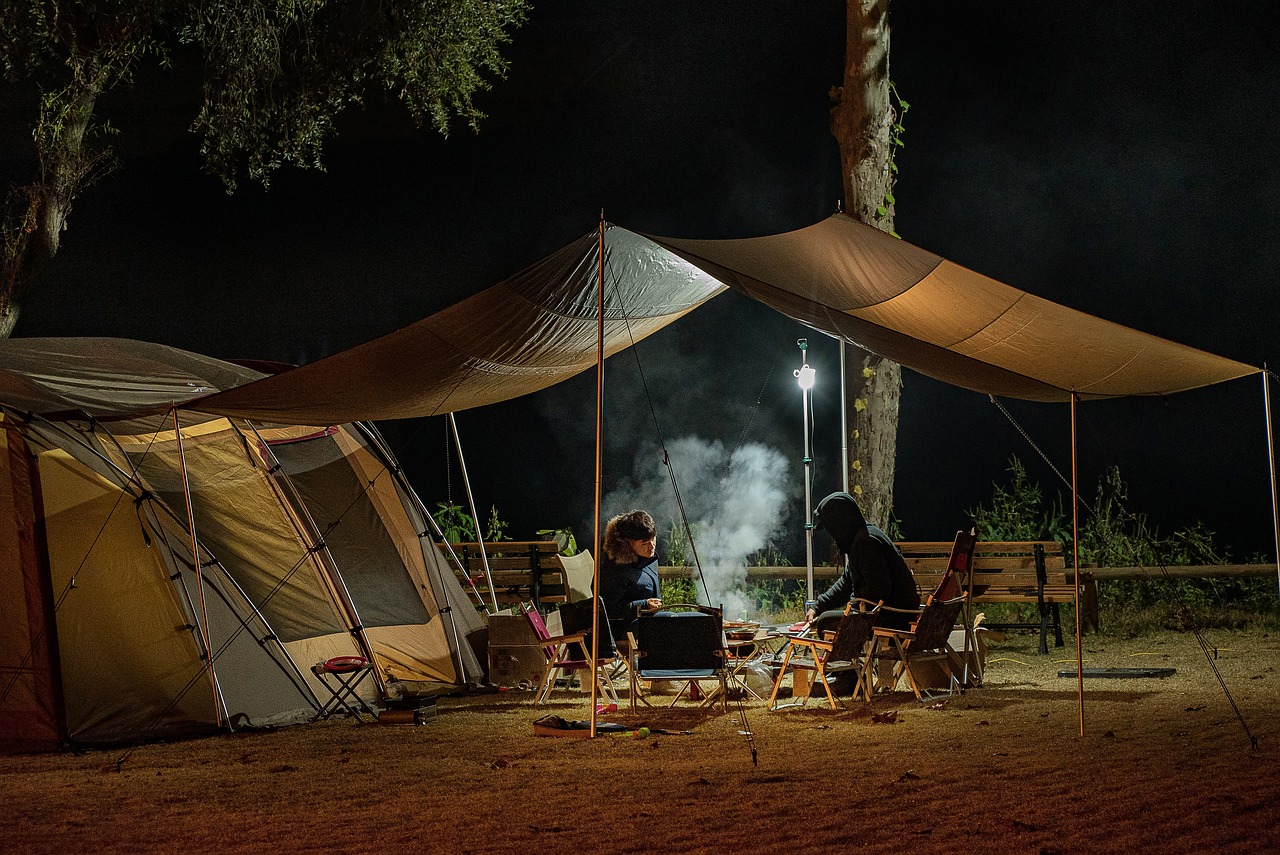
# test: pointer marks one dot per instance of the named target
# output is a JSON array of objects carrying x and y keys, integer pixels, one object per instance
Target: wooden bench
[
  {"x": 522, "y": 571},
  {"x": 1008, "y": 572}
]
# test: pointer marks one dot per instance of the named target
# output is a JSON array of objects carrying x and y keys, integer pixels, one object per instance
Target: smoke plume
[{"x": 735, "y": 504}]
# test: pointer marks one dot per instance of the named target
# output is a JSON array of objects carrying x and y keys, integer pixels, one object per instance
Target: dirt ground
[{"x": 1164, "y": 765}]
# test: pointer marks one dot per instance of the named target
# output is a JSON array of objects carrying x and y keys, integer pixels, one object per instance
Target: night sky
[{"x": 1117, "y": 157}]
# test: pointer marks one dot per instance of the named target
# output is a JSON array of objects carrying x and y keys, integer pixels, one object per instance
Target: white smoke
[{"x": 735, "y": 503}]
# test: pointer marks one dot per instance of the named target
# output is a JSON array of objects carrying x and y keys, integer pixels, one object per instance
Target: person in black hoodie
[
  {"x": 874, "y": 569},
  {"x": 629, "y": 573}
]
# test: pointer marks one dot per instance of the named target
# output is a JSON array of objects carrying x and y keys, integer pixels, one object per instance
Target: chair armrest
[{"x": 565, "y": 639}]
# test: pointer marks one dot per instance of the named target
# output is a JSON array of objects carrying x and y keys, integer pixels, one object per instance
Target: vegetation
[
  {"x": 565, "y": 541},
  {"x": 269, "y": 81},
  {"x": 1113, "y": 535},
  {"x": 459, "y": 526}
]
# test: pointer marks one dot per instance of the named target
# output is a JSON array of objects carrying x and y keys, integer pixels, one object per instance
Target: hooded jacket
[{"x": 874, "y": 569}]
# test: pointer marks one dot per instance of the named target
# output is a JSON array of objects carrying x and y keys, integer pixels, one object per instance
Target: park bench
[
  {"x": 1010, "y": 572},
  {"x": 522, "y": 571}
]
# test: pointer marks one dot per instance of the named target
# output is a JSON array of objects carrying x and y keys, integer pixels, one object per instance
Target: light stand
[{"x": 805, "y": 376}]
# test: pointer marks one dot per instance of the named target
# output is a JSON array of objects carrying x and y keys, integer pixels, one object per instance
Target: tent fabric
[
  {"x": 529, "y": 332},
  {"x": 839, "y": 276},
  {"x": 894, "y": 299},
  {"x": 310, "y": 545},
  {"x": 107, "y": 378}
]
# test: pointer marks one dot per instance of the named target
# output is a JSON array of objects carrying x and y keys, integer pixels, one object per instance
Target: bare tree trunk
[{"x": 862, "y": 117}]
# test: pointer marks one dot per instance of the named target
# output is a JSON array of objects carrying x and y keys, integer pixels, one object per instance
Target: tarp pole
[
  {"x": 1075, "y": 549},
  {"x": 195, "y": 560},
  {"x": 471, "y": 503},
  {"x": 844, "y": 424},
  {"x": 595, "y": 572},
  {"x": 1271, "y": 460}
]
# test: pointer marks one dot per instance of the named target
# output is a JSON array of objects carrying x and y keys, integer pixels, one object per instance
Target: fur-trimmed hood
[{"x": 635, "y": 525}]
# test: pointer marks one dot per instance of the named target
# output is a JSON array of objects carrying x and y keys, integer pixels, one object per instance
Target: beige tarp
[
  {"x": 839, "y": 276},
  {"x": 883, "y": 294}
]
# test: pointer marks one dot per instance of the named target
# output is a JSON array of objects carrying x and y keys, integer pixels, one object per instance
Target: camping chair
[
  {"x": 958, "y": 579},
  {"x": 680, "y": 647},
  {"x": 928, "y": 640},
  {"x": 560, "y": 652},
  {"x": 844, "y": 650},
  {"x": 576, "y": 617},
  {"x": 579, "y": 575}
]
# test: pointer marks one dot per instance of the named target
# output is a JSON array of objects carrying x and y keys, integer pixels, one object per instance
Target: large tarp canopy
[
  {"x": 839, "y": 276},
  {"x": 855, "y": 282}
]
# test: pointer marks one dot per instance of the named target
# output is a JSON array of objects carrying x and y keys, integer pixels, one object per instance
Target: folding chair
[
  {"x": 927, "y": 640},
  {"x": 342, "y": 675},
  {"x": 561, "y": 652},
  {"x": 844, "y": 650},
  {"x": 681, "y": 647}
]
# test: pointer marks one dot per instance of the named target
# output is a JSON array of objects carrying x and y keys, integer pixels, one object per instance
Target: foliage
[
  {"x": 768, "y": 556},
  {"x": 1017, "y": 511},
  {"x": 678, "y": 590},
  {"x": 679, "y": 550},
  {"x": 1113, "y": 535},
  {"x": 565, "y": 541},
  {"x": 895, "y": 142},
  {"x": 276, "y": 76},
  {"x": 459, "y": 526},
  {"x": 455, "y": 522}
]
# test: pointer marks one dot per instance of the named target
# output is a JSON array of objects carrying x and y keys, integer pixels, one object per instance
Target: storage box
[
  {"x": 507, "y": 629},
  {"x": 516, "y": 665}
]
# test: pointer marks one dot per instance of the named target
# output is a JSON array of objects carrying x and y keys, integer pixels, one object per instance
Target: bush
[{"x": 1112, "y": 535}]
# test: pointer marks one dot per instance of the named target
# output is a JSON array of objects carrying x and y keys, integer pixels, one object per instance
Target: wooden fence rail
[{"x": 1196, "y": 571}]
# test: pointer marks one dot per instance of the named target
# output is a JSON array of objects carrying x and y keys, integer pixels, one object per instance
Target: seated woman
[{"x": 629, "y": 571}]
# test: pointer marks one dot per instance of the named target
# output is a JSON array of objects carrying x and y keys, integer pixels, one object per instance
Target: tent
[{"x": 310, "y": 545}]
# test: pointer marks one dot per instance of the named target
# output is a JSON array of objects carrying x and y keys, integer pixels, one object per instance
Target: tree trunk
[
  {"x": 862, "y": 118},
  {"x": 35, "y": 214}
]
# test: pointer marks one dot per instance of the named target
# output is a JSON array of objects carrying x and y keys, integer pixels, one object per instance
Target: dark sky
[{"x": 1117, "y": 157}]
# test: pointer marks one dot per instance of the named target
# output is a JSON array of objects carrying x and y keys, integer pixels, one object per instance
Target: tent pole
[
  {"x": 844, "y": 424},
  {"x": 1271, "y": 459},
  {"x": 471, "y": 503},
  {"x": 446, "y": 611},
  {"x": 1075, "y": 560},
  {"x": 595, "y": 582},
  {"x": 195, "y": 560},
  {"x": 305, "y": 525}
]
